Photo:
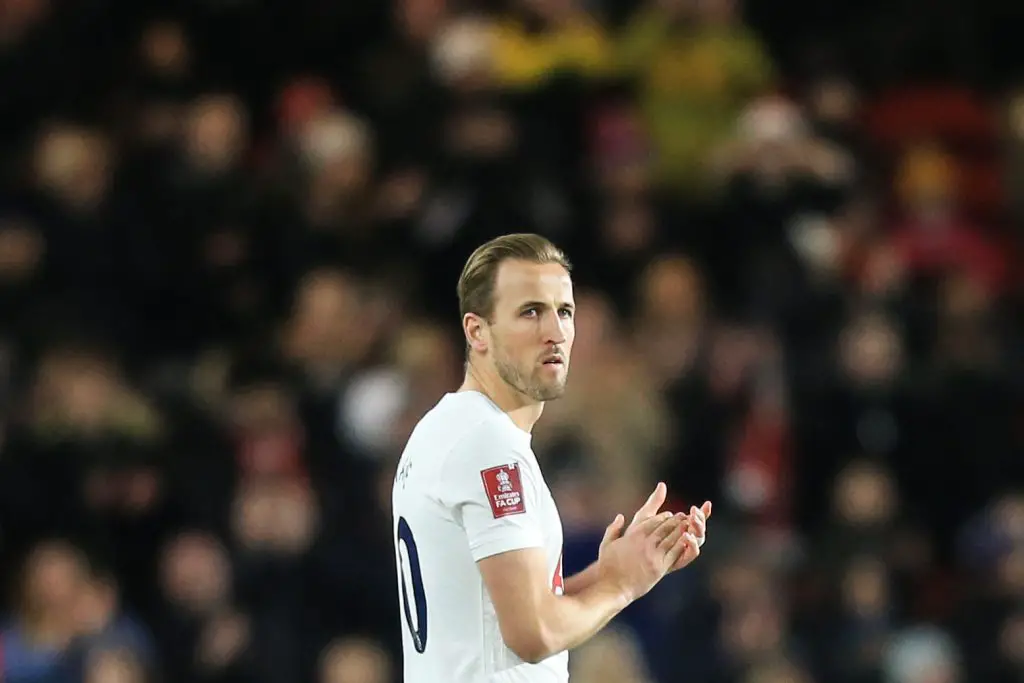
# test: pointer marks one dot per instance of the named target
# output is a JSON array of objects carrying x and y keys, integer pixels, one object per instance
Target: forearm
[
  {"x": 581, "y": 580},
  {"x": 571, "y": 620}
]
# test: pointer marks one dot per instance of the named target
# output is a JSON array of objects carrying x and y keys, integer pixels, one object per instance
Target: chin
[{"x": 551, "y": 392}]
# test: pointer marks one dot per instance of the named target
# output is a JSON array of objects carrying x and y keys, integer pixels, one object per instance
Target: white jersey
[{"x": 468, "y": 486}]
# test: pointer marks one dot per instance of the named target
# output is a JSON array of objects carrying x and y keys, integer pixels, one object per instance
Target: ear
[{"x": 477, "y": 332}]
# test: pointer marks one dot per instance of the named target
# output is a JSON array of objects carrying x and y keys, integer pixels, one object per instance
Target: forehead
[{"x": 520, "y": 281}]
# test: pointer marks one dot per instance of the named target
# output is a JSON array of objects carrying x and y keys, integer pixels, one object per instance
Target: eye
[
  {"x": 566, "y": 312},
  {"x": 529, "y": 312}
]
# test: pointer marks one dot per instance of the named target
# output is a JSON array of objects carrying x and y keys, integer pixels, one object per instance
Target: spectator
[{"x": 698, "y": 65}]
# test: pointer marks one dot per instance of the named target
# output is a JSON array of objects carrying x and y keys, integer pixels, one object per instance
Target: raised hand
[
  {"x": 635, "y": 561},
  {"x": 695, "y": 522},
  {"x": 647, "y": 510}
]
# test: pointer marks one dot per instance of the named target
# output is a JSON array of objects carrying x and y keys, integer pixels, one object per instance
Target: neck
[{"x": 523, "y": 410}]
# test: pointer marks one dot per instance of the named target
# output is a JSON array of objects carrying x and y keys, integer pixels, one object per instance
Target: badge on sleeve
[{"x": 504, "y": 490}]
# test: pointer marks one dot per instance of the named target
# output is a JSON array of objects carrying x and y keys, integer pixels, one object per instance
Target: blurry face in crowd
[
  {"x": 165, "y": 48},
  {"x": 481, "y": 134},
  {"x": 964, "y": 298},
  {"x": 275, "y": 516},
  {"x": 532, "y": 328},
  {"x": 337, "y": 149},
  {"x": 329, "y": 321},
  {"x": 428, "y": 358},
  {"x": 354, "y": 661},
  {"x": 266, "y": 408},
  {"x": 21, "y": 250},
  {"x": 872, "y": 351},
  {"x": 865, "y": 495},
  {"x": 629, "y": 227},
  {"x": 738, "y": 580},
  {"x": 419, "y": 19},
  {"x": 113, "y": 666},
  {"x": 1011, "y": 639},
  {"x": 671, "y": 291},
  {"x": 865, "y": 588},
  {"x": 73, "y": 165},
  {"x": 77, "y": 388},
  {"x": 195, "y": 573},
  {"x": 1011, "y": 572},
  {"x": 1008, "y": 517},
  {"x": 834, "y": 101},
  {"x": 608, "y": 658},
  {"x": 96, "y": 605},
  {"x": 754, "y": 628},
  {"x": 216, "y": 132},
  {"x": 55, "y": 575}
]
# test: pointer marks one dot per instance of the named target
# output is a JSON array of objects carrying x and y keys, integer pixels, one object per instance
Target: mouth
[{"x": 553, "y": 360}]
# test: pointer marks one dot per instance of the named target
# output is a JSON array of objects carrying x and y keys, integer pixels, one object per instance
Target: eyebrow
[{"x": 541, "y": 304}]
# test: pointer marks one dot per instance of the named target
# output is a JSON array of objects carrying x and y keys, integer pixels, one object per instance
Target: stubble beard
[{"x": 530, "y": 386}]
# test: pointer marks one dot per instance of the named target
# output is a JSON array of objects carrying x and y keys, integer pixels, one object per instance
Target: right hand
[
  {"x": 635, "y": 562},
  {"x": 696, "y": 520}
]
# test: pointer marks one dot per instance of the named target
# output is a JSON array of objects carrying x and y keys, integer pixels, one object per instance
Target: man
[{"x": 477, "y": 535}]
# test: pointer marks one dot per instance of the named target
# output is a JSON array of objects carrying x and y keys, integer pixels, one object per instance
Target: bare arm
[
  {"x": 580, "y": 581},
  {"x": 535, "y": 623}
]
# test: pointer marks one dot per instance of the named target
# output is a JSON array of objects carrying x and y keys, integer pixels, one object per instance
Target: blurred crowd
[{"x": 230, "y": 233}]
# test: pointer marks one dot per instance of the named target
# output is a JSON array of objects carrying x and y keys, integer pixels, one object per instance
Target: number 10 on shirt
[{"x": 417, "y": 630}]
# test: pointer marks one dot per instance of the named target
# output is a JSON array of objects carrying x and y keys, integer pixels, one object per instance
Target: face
[
  {"x": 530, "y": 335},
  {"x": 195, "y": 572},
  {"x": 56, "y": 576}
]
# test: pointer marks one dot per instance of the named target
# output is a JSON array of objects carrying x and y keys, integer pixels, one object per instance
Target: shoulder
[
  {"x": 488, "y": 443},
  {"x": 489, "y": 440},
  {"x": 468, "y": 419}
]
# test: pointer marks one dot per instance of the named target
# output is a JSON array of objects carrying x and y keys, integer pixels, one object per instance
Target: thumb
[
  {"x": 706, "y": 509},
  {"x": 614, "y": 529},
  {"x": 654, "y": 501}
]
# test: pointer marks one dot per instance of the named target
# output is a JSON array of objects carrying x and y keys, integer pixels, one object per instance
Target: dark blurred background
[{"x": 230, "y": 232}]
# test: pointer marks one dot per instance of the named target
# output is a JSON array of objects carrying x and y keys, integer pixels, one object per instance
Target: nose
[{"x": 554, "y": 329}]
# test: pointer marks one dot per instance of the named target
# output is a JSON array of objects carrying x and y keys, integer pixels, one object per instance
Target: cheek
[{"x": 515, "y": 335}]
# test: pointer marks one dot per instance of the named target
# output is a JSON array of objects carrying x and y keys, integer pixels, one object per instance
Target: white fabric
[{"x": 441, "y": 496}]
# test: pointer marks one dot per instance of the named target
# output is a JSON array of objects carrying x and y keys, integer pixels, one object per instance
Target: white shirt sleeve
[{"x": 492, "y": 492}]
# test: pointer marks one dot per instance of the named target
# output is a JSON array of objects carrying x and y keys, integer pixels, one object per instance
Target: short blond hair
[{"x": 476, "y": 284}]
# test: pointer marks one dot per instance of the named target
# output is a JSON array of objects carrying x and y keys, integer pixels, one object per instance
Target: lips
[{"x": 553, "y": 360}]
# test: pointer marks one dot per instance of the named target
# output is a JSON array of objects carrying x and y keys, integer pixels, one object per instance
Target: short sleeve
[{"x": 492, "y": 491}]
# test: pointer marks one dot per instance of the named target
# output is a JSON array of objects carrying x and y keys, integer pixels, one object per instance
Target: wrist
[{"x": 615, "y": 589}]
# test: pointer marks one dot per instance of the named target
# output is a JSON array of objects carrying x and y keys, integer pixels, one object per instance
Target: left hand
[
  {"x": 695, "y": 525},
  {"x": 698, "y": 525}
]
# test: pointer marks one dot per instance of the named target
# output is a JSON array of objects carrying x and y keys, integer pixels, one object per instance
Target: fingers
[
  {"x": 653, "y": 503},
  {"x": 698, "y": 524},
  {"x": 693, "y": 539},
  {"x": 671, "y": 539},
  {"x": 699, "y": 521},
  {"x": 685, "y": 551},
  {"x": 614, "y": 529},
  {"x": 650, "y": 525},
  {"x": 668, "y": 526}
]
